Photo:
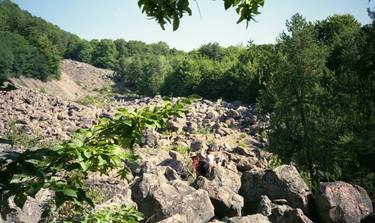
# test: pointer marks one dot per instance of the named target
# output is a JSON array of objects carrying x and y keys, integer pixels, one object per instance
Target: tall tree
[
  {"x": 295, "y": 93},
  {"x": 105, "y": 54}
]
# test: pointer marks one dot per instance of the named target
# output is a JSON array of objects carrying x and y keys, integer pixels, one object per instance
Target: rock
[
  {"x": 212, "y": 115},
  {"x": 175, "y": 125},
  {"x": 199, "y": 146},
  {"x": 177, "y": 218},
  {"x": 232, "y": 114},
  {"x": 110, "y": 189},
  {"x": 283, "y": 182},
  {"x": 191, "y": 127},
  {"x": 281, "y": 213},
  {"x": 159, "y": 199},
  {"x": 30, "y": 213},
  {"x": 294, "y": 216},
  {"x": 228, "y": 178},
  {"x": 225, "y": 201},
  {"x": 158, "y": 161},
  {"x": 256, "y": 218},
  {"x": 150, "y": 138},
  {"x": 342, "y": 202},
  {"x": 171, "y": 174}
]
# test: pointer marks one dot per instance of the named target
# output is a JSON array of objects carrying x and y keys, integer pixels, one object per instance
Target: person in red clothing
[{"x": 200, "y": 164}]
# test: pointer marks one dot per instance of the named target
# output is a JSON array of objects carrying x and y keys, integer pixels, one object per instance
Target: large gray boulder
[
  {"x": 294, "y": 216},
  {"x": 280, "y": 212},
  {"x": 256, "y": 218},
  {"x": 110, "y": 190},
  {"x": 30, "y": 213},
  {"x": 160, "y": 199},
  {"x": 226, "y": 177},
  {"x": 283, "y": 182},
  {"x": 226, "y": 202},
  {"x": 342, "y": 202},
  {"x": 177, "y": 218}
]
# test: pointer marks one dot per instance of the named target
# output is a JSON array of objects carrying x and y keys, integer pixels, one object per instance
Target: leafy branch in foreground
[
  {"x": 101, "y": 148},
  {"x": 165, "y": 11}
]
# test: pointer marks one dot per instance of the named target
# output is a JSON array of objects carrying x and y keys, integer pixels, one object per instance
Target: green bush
[{"x": 63, "y": 168}]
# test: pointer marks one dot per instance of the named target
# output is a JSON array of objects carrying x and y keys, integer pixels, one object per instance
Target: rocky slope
[
  {"x": 77, "y": 80},
  {"x": 243, "y": 187}
]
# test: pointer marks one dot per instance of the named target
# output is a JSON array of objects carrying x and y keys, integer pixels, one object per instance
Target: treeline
[
  {"x": 321, "y": 97},
  {"x": 232, "y": 73},
  {"x": 29, "y": 45}
]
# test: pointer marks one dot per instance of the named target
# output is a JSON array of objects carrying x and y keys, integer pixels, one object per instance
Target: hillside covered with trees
[{"x": 316, "y": 84}]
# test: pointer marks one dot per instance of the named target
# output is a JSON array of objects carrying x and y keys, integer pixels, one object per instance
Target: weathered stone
[
  {"x": 175, "y": 125},
  {"x": 199, "y": 146},
  {"x": 110, "y": 189},
  {"x": 30, "y": 213},
  {"x": 294, "y": 216},
  {"x": 212, "y": 115},
  {"x": 191, "y": 127},
  {"x": 281, "y": 213},
  {"x": 159, "y": 199},
  {"x": 283, "y": 182},
  {"x": 177, "y": 218},
  {"x": 232, "y": 113},
  {"x": 150, "y": 138},
  {"x": 256, "y": 218},
  {"x": 342, "y": 202},
  {"x": 228, "y": 178},
  {"x": 225, "y": 201}
]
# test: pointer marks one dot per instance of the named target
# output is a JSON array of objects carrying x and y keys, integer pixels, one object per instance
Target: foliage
[
  {"x": 274, "y": 162},
  {"x": 165, "y": 11},
  {"x": 80, "y": 50},
  {"x": 63, "y": 169},
  {"x": 115, "y": 214},
  {"x": 99, "y": 101},
  {"x": 321, "y": 100},
  {"x": 145, "y": 75},
  {"x": 30, "y": 46},
  {"x": 184, "y": 150},
  {"x": 105, "y": 54}
]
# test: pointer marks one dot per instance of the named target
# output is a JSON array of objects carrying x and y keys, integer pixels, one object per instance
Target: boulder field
[{"x": 242, "y": 188}]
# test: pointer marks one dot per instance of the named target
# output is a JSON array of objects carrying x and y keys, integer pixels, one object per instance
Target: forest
[{"x": 317, "y": 82}]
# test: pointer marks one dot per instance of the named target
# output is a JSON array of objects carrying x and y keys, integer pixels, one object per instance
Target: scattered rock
[
  {"x": 342, "y": 202},
  {"x": 225, "y": 201},
  {"x": 177, "y": 218},
  {"x": 159, "y": 199},
  {"x": 281, "y": 213},
  {"x": 199, "y": 146},
  {"x": 256, "y": 218},
  {"x": 283, "y": 182},
  {"x": 226, "y": 177},
  {"x": 30, "y": 213}
]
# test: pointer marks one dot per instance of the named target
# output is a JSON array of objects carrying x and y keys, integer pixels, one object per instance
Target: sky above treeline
[{"x": 114, "y": 19}]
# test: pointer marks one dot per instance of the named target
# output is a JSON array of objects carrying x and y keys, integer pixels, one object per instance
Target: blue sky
[{"x": 113, "y": 19}]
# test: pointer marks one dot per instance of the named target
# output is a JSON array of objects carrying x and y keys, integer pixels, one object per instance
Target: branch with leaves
[
  {"x": 101, "y": 148},
  {"x": 166, "y": 11}
]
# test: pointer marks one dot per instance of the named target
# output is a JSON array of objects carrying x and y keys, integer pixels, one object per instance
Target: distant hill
[
  {"x": 29, "y": 45},
  {"x": 77, "y": 80}
]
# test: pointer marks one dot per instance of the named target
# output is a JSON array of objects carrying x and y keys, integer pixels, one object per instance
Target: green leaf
[
  {"x": 101, "y": 161},
  {"x": 85, "y": 165},
  {"x": 70, "y": 192},
  {"x": 227, "y": 4},
  {"x": 176, "y": 22},
  {"x": 87, "y": 153}
]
